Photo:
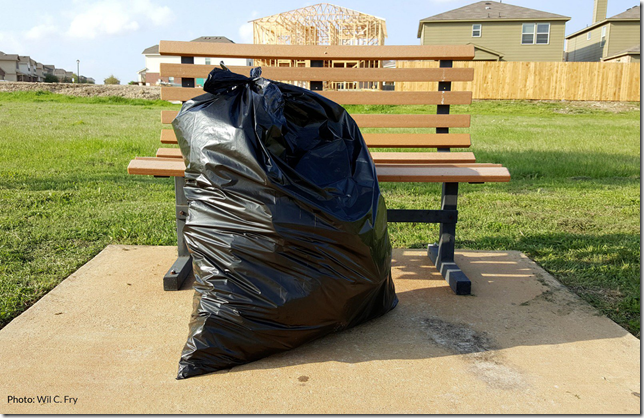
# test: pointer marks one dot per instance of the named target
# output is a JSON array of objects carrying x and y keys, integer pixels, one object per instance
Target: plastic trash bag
[{"x": 286, "y": 226}]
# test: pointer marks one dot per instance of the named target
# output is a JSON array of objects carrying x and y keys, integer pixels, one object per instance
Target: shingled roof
[
  {"x": 216, "y": 39},
  {"x": 630, "y": 14},
  {"x": 154, "y": 49},
  {"x": 490, "y": 10},
  {"x": 634, "y": 50},
  {"x": 12, "y": 57}
]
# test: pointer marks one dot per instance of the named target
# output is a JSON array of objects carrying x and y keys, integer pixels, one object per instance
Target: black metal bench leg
[
  {"x": 181, "y": 268},
  {"x": 442, "y": 255}
]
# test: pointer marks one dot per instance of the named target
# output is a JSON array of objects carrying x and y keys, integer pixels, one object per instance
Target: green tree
[
  {"x": 50, "y": 78},
  {"x": 112, "y": 80}
]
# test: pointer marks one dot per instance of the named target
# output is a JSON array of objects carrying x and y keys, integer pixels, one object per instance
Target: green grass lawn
[{"x": 573, "y": 204}]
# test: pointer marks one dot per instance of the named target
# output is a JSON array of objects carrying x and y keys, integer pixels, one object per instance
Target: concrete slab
[{"x": 110, "y": 337}]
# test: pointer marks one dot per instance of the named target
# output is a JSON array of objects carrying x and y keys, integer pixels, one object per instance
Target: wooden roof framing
[{"x": 320, "y": 24}]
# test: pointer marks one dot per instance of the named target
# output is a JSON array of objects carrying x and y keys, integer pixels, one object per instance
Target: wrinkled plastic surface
[{"x": 287, "y": 227}]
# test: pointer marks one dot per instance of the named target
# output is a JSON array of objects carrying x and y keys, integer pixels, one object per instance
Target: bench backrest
[{"x": 315, "y": 74}]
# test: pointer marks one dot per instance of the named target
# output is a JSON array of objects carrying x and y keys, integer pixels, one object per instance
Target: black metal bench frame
[{"x": 441, "y": 253}]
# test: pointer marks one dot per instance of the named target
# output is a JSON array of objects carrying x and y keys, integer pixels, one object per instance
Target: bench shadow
[{"x": 513, "y": 305}]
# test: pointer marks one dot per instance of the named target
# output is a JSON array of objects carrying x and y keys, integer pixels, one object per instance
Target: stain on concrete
[
  {"x": 303, "y": 378},
  {"x": 563, "y": 301},
  {"x": 456, "y": 337},
  {"x": 478, "y": 349},
  {"x": 637, "y": 394},
  {"x": 489, "y": 368}
]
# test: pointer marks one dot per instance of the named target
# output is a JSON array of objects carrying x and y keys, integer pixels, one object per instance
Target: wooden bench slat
[
  {"x": 167, "y": 116},
  {"x": 444, "y": 174},
  {"x": 411, "y": 121},
  {"x": 168, "y": 137},
  {"x": 422, "y": 157},
  {"x": 473, "y": 173},
  {"x": 417, "y": 140},
  {"x": 169, "y": 153},
  {"x": 327, "y": 74},
  {"x": 354, "y": 97},
  {"x": 170, "y": 167},
  {"x": 318, "y": 52},
  {"x": 384, "y": 121},
  {"x": 399, "y": 97},
  {"x": 379, "y": 157},
  {"x": 385, "y": 140}
]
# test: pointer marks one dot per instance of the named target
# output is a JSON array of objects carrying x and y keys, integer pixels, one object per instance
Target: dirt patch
[
  {"x": 456, "y": 337},
  {"x": 477, "y": 349},
  {"x": 568, "y": 107},
  {"x": 87, "y": 90}
]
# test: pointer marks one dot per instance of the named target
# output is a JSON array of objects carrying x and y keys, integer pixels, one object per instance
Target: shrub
[
  {"x": 50, "y": 78},
  {"x": 112, "y": 80}
]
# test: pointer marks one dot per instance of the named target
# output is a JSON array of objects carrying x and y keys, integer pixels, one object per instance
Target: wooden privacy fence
[{"x": 609, "y": 81}]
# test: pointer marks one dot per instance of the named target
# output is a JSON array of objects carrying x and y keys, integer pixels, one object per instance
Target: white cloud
[
  {"x": 246, "y": 33},
  {"x": 11, "y": 43},
  {"x": 246, "y": 30},
  {"x": 41, "y": 31},
  {"x": 116, "y": 17}
]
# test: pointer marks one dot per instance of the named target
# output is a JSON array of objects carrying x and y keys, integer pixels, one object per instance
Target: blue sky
[{"x": 108, "y": 36}]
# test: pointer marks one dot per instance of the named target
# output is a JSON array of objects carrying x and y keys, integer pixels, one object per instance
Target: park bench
[{"x": 440, "y": 166}]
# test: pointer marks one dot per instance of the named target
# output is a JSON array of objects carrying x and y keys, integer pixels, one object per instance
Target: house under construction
[{"x": 322, "y": 24}]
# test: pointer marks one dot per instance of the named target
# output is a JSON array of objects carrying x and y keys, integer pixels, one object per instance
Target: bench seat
[{"x": 439, "y": 172}]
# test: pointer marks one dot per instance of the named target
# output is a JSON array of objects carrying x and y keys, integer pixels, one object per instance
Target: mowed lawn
[{"x": 573, "y": 204}]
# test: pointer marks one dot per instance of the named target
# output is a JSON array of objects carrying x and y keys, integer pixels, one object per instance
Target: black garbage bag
[{"x": 286, "y": 226}]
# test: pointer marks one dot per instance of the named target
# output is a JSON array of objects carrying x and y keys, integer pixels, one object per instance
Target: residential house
[
  {"x": 150, "y": 74},
  {"x": 61, "y": 75},
  {"x": 26, "y": 69},
  {"x": 48, "y": 69},
  {"x": 15, "y": 67},
  {"x": 40, "y": 72},
  {"x": 628, "y": 55},
  {"x": 607, "y": 39},
  {"x": 498, "y": 31},
  {"x": 9, "y": 66}
]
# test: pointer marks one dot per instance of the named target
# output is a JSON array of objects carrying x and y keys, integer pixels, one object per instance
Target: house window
[
  {"x": 543, "y": 33},
  {"x": 588, "y": 36},
  {"x": 527, "y": 34},
  {"x": 535, "y": 33},
  {"x": 476, "y": 30},
  {"x": 207, "y": 61},
  {"x": 602, "y": 41}
]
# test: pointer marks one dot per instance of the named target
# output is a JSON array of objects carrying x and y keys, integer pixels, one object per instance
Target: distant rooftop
[
  {"x": 632, "y": 14},
  {"x": 634, "y": 50},
  {"x": 216, "y": 39},
  {"x": 491, "y": 10},
  {"x": 4, "y": 56}
]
